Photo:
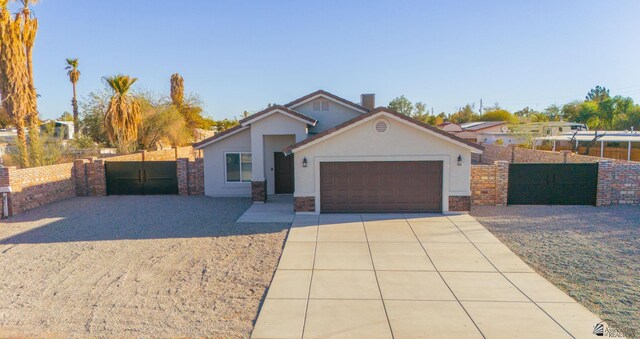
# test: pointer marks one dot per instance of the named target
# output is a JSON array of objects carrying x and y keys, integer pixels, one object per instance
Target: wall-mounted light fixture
[
  {"x": 460, "y": 160},
  {"x": 304, "y": 162}
]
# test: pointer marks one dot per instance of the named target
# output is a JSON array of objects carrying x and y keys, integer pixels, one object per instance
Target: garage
[
  {"x": 382, "y": 162},
  {"x": 381, "y": 186}
]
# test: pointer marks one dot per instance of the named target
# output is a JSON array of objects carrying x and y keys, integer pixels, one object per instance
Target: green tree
[
  {"x": 93, "y": 108},
  {"x": 553, "y": 112},
  {"x": 66, "y": 116},
  {"x": 162, "y": 124},
  {"x": 597, "y": 94},
  {"x": 419, "y": 109},
  {"x": 526, "y": 112},
  {"x": 401, "y": 105},
  {"x": 464, "y": 114},
  {"x": 498, "y": 114}
]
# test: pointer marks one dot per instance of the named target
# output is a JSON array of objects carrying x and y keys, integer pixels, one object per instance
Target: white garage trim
[{"x": 446, "y": 160}]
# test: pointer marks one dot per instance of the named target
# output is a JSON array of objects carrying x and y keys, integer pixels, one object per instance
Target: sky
[{"x": 242, "y": 55}]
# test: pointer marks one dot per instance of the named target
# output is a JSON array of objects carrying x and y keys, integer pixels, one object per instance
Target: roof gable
[
  {"x": 389, "y": 113},
  {"x": 278, "y": 109},
  {"x": 220, "y": 136},
  {"x": 321, "y": 93}
]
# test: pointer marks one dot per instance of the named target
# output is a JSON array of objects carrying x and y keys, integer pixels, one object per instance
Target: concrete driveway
[{"x": 409, "y": 276}]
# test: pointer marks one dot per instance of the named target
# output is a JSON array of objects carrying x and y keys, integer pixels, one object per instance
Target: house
[
  {"x": 470, "y": 130},
  {"x": 550, "y": 128},
  {"x": 500, "y": 138},
  {"x": 623, "y": 145},
  {"x": 450, "y": 127},
  {"x": 334, "y": 155}
]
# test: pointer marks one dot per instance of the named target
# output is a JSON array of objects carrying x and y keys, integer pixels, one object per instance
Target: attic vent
[{"x": 381, "y": 126}]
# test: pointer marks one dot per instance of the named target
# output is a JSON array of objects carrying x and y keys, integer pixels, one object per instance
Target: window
[
  {"x": 321, "y": 105},
  {"x": 238, "y": 167}
]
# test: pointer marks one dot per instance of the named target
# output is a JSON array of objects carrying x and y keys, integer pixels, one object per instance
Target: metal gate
[
  {"x": 553, "y": 184},
  {"x": 141, "y": 177}
]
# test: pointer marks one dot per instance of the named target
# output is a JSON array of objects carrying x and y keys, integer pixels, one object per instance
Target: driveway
[
  {"x": 135, "y": 266},
  {"x": 408, "y": 276}
]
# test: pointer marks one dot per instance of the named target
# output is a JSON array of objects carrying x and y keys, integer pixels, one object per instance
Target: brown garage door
[{"x": 381, "y": 186}]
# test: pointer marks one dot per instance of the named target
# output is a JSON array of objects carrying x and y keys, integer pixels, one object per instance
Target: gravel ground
[
  {"x": 155, "y": 266},
  {"x": 592, "y": 253}
]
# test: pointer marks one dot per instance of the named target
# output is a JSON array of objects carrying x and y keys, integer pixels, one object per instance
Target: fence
[
  {"x": 26, "y": 188},
  {"x": 618, "y": 181}
]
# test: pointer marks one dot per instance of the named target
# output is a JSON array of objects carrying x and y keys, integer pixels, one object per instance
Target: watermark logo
[{"x": 604, "y": 329}]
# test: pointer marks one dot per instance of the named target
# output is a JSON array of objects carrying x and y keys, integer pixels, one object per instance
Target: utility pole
[{"x": 480, "y": 106}]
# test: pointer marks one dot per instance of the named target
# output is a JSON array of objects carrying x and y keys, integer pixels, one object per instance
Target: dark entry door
[
  {"x": 141, "y": 177},
  {"x": 553, "y": 184},
  {"x": 381, "y": 186},
  {"x": 283, "y": 167}
]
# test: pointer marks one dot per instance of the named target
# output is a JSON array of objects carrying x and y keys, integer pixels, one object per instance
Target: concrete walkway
[
  {"x": 278, "y": 208},
  {"x": 410, "y": 276}
]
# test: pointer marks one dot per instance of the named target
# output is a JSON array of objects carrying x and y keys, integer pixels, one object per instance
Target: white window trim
[{"x": 240, "y": 160}]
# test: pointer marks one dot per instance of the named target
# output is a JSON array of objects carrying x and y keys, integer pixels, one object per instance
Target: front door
[{"x": 283, "y": 173}]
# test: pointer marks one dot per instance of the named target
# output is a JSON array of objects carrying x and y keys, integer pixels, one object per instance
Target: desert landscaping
[{"x": 161, "y": 266}]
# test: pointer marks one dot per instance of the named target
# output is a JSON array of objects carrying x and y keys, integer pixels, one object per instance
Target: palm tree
[
  {"x": 16, "y": 88},
  {"x": 177, "y": 90},
  {"x": 29, "y": 25},
  {"x": 74, "y": 76},
  {"x": 123, "y": 115}
]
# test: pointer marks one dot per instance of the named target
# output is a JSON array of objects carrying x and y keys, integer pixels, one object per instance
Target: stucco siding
[
  {"x": 272, "y": 144},
  {"x": 336, "y": 115},
  {"x": 401, "y": 142},
  {"x": 275, "y": 124},
  {"x": 215, "y": 184}
]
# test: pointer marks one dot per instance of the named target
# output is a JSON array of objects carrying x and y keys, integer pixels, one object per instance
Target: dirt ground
[
  {"x": 155, "y": 266},
  {"x": 592, "y": 253}
]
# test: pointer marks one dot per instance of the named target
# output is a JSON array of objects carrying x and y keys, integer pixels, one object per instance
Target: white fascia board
[
  {"x": 249, "y": 122},
  {"x": 222, "y": 137}
]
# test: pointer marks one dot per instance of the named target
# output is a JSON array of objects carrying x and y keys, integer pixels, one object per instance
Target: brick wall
[
  {"x": 458, "y": 203},
  {"x": 304, "y": 204},
  {"x": 483, "y": 185},
  {"x": 512, "y": 154},
  {"x": 625, "y": 183},
  {"x": 168, "y": 154},
  {"x": 37, "y": 186},
  {"x": 489, "y": 184}
]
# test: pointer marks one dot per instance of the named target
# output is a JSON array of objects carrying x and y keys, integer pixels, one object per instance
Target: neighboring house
[
  {"x": 470, "y": 130},
  {"x": 624, "y": 145},
  {"x": 501, "y": 138},
  {"x": 334, "y": 155},
  {"x": 61, "y": 129},
  {"x": 450, "y": 127},
  {"x": 551, "y": 128}
]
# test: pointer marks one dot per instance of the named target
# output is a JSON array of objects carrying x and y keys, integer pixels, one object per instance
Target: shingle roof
[
  {"x": 327, "y": 94},
  {"x": 374, "y": 112},
  {"x": 480, "y": 125},
  {"x": 254, "y": 116},
  {"x": 224, "y": 133}
]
